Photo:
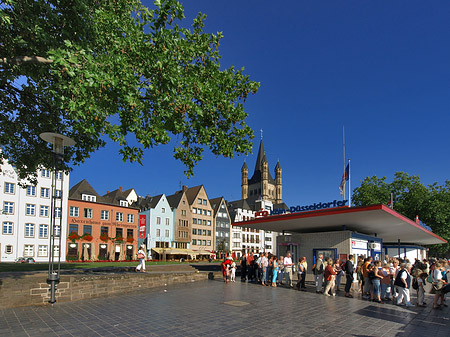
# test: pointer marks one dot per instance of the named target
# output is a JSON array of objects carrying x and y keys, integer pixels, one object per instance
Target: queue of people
[{"x": 390, "y": 280}]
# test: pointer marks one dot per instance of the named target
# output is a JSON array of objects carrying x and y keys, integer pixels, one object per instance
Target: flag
[{"x": 344, "y": 179}]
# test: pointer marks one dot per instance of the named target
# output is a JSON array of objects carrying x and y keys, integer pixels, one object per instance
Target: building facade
[
  {"x": 159, "y": 224},
  {"x": 222, "y": 226},
  {"x": 181, "y": 219},
  {"x": 27, "y": 212},
  {"x": 101, "y": 227}
]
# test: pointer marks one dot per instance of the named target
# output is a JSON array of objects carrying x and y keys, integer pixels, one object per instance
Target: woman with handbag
[{"x": 141, "y": 257}]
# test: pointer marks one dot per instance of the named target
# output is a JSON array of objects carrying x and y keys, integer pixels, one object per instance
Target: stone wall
[{"x": 22, "y": 289}]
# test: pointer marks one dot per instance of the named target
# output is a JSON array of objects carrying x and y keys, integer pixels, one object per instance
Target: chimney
[
  {"x": 185, "y": 188},
  {"x": 120, "y": 188}
]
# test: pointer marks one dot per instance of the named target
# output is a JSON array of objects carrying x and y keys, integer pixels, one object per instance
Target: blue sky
[{"x": 381, "y": 68}]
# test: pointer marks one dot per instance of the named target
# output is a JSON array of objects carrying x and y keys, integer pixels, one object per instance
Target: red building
[{"x": 101, "y": 227}]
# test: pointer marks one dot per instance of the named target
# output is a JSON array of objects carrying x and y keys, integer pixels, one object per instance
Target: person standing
[
  {"x": 330, "y": 277},
  {"x": 349, "y": 270},
  {"x": 280, "y": 270},
  {"x": 243, "y": 268},
  {"x": 233, "y": 271},
  {"x": 288, "y": 269},
  {"x": 141, "y": 257},
  {"x": 301, "y": 273},
  {"x": 403, "y": 282},
  {"x": 264, "y": 265},
  {"x": 318, "y": 274},
  {"x": 274, "y": 271},
  {"x": 305, "y": 269},
  {"x": 421, "y": 290}
]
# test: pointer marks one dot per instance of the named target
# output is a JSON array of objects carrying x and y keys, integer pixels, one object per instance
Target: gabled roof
[
  {"x": 83, "y": 187},
  {"x": 191, "y": 193},
  {"x": 175, "y": 199},
  {"x": 114, "y": 197},
  {"x": 257, "y": 175},
  {"x": 148, "y": 202},
  {"x": 215, "y": 203},
  {"x": 238, "y": 204}
]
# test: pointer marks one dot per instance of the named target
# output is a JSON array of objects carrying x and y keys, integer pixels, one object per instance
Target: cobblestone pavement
[{"x": 212, "y": 308}]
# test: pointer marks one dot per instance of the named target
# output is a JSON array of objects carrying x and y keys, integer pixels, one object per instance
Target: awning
[
  {"x": 201, "y": 252},
  {"x": 378, "y": 220},
  {"x": 173, "y": 251}
]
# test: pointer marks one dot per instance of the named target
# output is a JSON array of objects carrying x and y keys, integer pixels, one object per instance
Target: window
[
  {"x": 45, "y": 192},
  {"x": 158, "y": 232},
  {"x": 204, "y": 222},
  {"x": 8, "y": 249},
  {"x": 227, "y": 234},
  {"x": 199, "y": 201},
  {"x": 28, "y": 250},
  {"x": 204, "y": 201},
  {"x": 130, "y": 218},
  {"x": 104, "y": 230},
  {"x": 45, "y": 173},
  {"x": 8, "y": 207},
  {"x": 130, "y": 233},
  {"x": 56, "y": 251},
  {"x": 209, "y": 213},
  {"x": 167, "y": 233},
  {"x": 183, "y": 212},
  {"x": 123, "y": 203},
  {"x": 58, "y": 175},
  {"x": 73, "y": 228},
  {"x": 163, "y": 210},
  {"x": 209, "y": 233},
  {"x": 88, "y": 213},
  {"x": 194, "y": 231},
  {"x": 167, "y": 221},
  {"x": 194, "y": 241},
  {"x": 88, "y": 197},
  {"x": 194, "y": 210},
  {"x": 194, "y": 221},
  {"x": 29, "y": 230},
  {"x": 119, "y": 216},
  {"x": 57, "y": 230},
  {"x": 158, "y": 220},
  {"x": 42, "y": 250},
  {"x": 209, "y": 222},
  {"x": 204, "y": 212},
  {"x": 43, "y": 231},
  {"x": 87, "y": 229},
  {"x": 119, "y": 232},
  {"x": 74, "y": 211},
  {"x": 204, "y": 242},
  {"x": 31, "y": 191},
  {"x": 58, "y": 194},
  {"x": 43, "y": 211},
  {"x": 104, "y": 215},
  {"x": 57, "y": 212},
  {"x": 31, "y": 209},
  {"x": 208, "y": 243},
  {"x": 9, "y": 188},
  {"x": 7, "y": 227}
]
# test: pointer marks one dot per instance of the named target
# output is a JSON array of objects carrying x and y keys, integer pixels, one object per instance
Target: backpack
[{"x": 415, "y": 284}]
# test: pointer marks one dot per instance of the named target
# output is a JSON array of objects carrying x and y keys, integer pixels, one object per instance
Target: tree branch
[{"x": 24, "y": 59}]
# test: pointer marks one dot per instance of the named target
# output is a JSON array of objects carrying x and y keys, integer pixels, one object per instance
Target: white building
[
  {"x": 248, "y": 240},
  {"x": 25, "y": 215}
]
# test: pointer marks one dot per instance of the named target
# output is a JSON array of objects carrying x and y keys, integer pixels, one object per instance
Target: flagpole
[
  {"x": 349, "y": 188},
  {"x": 343, "y": 142}
]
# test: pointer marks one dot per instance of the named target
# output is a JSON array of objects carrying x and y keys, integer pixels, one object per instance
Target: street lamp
[{"x": 59, "y": 142}]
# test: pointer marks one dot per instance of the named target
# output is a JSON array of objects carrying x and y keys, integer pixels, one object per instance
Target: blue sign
[{"x": 313, "y": 207}]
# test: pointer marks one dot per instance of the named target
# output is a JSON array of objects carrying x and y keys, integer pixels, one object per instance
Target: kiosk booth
[{"x": 374, "y": 231}]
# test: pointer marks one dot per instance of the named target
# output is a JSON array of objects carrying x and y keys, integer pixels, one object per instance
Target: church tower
[
  {"x": 244, "y": 184},
  {"x": 278, "y": 184},
  {"x": 261, "y": 186}
]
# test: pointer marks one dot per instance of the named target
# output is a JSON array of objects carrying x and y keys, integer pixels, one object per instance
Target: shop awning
[
  {"x": 376, "y": 219},
  {"x": 202, "y": 252},
  {"x": 173, "y": 251}
]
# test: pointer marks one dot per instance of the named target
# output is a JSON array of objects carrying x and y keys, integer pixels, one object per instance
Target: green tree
[
  {"x": 431, "y": 203},
  {"x": 99, "y": 69}
]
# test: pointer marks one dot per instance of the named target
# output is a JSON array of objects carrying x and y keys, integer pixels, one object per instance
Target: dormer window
[
  {"x": 88, "y": 197},
  {"x": 124, "y": 203}
]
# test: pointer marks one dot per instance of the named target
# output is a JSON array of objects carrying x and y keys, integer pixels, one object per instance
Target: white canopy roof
[{"x": 376, "y": 219}]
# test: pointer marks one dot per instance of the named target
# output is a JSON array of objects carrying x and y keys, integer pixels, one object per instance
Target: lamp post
[{"x": 59, "y": 142}]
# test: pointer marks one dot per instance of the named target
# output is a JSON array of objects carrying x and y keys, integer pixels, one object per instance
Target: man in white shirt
[
  {"x": 264, "y": 265},
  {"x": 287, "y": 262}
]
